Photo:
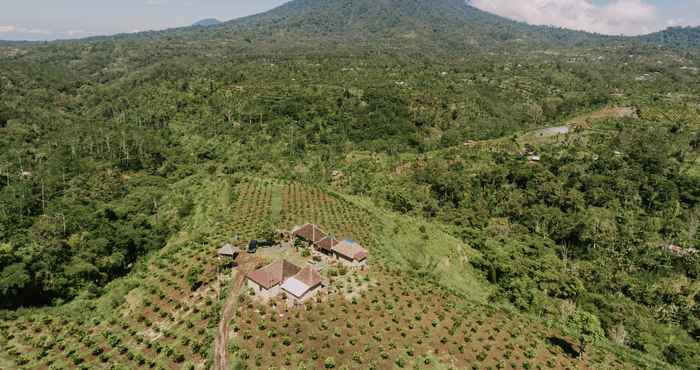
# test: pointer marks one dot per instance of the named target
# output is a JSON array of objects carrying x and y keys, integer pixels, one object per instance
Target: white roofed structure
[
  {"x": 304, "y": 284},
  {"x": 295, "y": 287}
]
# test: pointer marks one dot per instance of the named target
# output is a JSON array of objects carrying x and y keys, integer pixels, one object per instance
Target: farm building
[
  {"x": 350, "y": 253},
  {"x": 304, "y": 285},
  {"x": 326, "y": 244},
  {"x": 266, "y": 281},
  {"x": 309, "y": 232},
  {"x": 228, "y": 251},
  {"x": 680, "y": 251}
]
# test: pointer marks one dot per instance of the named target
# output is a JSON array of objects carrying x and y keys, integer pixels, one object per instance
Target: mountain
[
  {"x": 678, "y": 37},
  {"x": 426, "y": 27},
  {"x": 207, "y": 22},
  {"x": 420, "y": 25}
]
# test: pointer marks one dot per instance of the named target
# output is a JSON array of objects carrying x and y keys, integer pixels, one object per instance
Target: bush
[
  {"x": 194, "y": 277},
  {"x": 400, "y": 362},
  {"x": 329, "y": 363}
]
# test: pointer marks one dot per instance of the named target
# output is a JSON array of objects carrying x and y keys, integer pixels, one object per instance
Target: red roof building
[
  {"x": 310, "y": 233},
  {"x": 273, "y": 274},
  {"x": 351, "y": 251},
  {"x": 326, "y": 244},
  {"x": 303, "y": 285}
]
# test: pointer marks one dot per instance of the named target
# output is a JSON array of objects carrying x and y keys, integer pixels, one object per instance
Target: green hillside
[
  {"x": 165, "y": 313},
  {"x": 518, "y": 189}
]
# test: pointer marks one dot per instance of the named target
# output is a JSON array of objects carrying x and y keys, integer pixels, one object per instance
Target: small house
[
  {"x": 350, "y": 253},
  {"x": 304, "y": 285},
  {"x": 326, "y": 245},
  {"x": 680, "y": 251},
  {"x": 267, "y": 280},
  {"x": 309, "y": 232}
]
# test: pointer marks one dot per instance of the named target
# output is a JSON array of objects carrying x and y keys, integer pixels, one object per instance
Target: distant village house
[
  {"x": 680, "y": 251},
  {"x": 309, "y": 232}
]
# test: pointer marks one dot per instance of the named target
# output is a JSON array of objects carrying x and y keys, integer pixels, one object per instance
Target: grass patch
[{"x": 425, "y": 249}]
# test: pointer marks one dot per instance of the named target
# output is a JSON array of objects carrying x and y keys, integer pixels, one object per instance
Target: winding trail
[{"x": 246, "y": 264}]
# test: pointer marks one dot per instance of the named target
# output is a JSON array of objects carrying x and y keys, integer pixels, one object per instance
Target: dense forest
[{"x": 97, "y": 138}]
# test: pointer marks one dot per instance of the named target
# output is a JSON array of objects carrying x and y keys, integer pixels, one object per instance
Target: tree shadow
[{"x": 567, "y": 347}]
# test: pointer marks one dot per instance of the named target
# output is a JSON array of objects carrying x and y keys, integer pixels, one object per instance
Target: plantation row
[
  {"x": 163, "y": 322},
  {"x": 252, "y": 209},
  {"x": 394, "y": 323},
  {"x": 303, "y": 204},
  {"x": 161, "y": 325}
]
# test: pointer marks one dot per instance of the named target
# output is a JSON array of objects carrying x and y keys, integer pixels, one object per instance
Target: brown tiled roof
[
  {"x": 274, "y": 273},
  {"x": 351, "y": 250},
  {"x": 308, "y": 276},
  {"x": 310, "y": 233},
  {"x": 327, "y": 243}
]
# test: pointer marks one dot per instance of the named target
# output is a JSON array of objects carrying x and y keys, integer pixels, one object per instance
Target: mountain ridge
[
  {"x": 439, "y": 27},
  {"x": 425, "y": 27},
  {"x": 207, "y": 22}
]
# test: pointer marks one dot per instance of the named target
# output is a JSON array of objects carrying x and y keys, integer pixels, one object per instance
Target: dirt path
[{"x": 246, "y": 265}]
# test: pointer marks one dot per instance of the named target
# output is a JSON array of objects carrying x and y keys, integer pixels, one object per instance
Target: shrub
[
  {"x": 194, "y": 278},
  {"x": 329, "y": 363},
  {"x": 243, "y": 354},
  {"x": 400, "y": 362}
]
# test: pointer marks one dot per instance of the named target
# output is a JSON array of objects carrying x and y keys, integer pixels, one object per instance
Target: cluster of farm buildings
[{"x": 301, "y": 283}]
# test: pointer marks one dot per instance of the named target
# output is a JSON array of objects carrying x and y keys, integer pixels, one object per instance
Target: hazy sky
[{"x": 52, "y": 19}]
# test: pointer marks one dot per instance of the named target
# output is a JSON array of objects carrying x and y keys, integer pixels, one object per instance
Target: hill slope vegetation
[{"x": 125, "y": 162}]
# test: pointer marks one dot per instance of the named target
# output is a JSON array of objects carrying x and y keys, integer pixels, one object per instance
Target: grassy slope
[
  {"x": 223, "y": 209},
  {"x": 433, "y": 253}
]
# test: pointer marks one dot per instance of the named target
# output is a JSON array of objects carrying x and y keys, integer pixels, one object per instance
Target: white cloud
[
  {"x": 78, "y": 33},
  {"x": 15, "y": 30},
  {"x": 34, "y": 31},
  {"x": 8, "y": 29},
  {"x": 627, "y": 17}
]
